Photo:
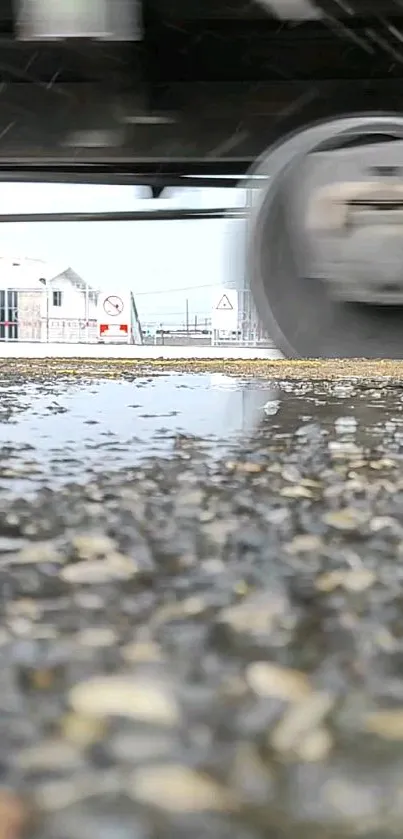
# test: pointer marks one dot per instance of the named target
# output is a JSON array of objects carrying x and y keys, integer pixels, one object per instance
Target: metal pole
[
  {"x": 6, "y": 335},
  {"x": 47, "y": 314},
  {"x": 171, "y": 214},
  {"x": 87, "y": 329}
]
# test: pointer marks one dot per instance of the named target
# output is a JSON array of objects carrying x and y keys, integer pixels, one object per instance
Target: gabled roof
[
  {"x": 72, "y": 277},
  {"x": 22, "y": 272}
]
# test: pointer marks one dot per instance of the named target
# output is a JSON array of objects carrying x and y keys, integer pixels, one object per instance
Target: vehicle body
[{"x": 159, "y": 92}]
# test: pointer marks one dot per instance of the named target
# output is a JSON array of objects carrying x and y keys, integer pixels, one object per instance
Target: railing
[
  {"x": 180, "y": 334},
  {"x": 50, "y": 330},
  {"x": 28, "y": 315}
]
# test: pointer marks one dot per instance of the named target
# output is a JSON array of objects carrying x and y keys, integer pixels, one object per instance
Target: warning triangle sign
[{"x": 224, "y": 303}]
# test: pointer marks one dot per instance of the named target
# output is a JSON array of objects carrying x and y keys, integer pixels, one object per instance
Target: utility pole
[{"x": 187, "y": 315}]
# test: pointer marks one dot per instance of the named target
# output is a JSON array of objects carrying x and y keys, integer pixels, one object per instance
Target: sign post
[
  {"x": 114, "y": 318},
  {"x": 224, "y": 314}
]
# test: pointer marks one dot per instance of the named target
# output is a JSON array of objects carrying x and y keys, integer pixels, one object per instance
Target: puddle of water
[
  {"x": 75, "y": 428},
  {"x": 62, "y": 431}
]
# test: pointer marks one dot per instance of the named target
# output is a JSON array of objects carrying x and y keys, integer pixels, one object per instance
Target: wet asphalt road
[{"x": 201, "y": 596}]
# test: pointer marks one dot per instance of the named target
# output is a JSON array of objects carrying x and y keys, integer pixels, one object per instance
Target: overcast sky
[{"x": 163, "y": 263}]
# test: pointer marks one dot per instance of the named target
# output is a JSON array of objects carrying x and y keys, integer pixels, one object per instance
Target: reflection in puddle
[{"x": 62, "y": 431}]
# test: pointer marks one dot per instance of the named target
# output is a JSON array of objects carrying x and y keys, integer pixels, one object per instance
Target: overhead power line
[
  {"x": 176, "y": 314},
  {"x": 180, "y": 288}
]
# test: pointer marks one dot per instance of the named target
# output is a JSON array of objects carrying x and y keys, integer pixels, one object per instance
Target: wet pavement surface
[
  {"x": 201, "y": 599},
  {"x": 72, "y": 428}
]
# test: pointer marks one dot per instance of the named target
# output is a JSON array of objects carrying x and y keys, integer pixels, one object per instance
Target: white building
[{"x": 40, "y": 302}]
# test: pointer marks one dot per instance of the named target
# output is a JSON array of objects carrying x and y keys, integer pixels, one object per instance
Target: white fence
[
  {"x": 197, "y": 329},
  {"x": 68, "y": 315},
  {"x": 178, "y": 335},
  {"x": 62, "y": 314}
]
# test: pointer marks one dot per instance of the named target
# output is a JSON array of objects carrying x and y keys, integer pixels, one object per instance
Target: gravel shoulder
[
  {"x": 273, "y": 369},
  {"x": 210, "y": 646}
]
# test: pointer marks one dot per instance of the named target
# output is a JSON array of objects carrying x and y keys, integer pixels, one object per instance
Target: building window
[
  {"x": 8, "y": 315},
  {"x": 57, "y": 298}
]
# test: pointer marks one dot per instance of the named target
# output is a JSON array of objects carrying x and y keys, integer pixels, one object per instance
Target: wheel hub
[{"x": 357, "y": 231}]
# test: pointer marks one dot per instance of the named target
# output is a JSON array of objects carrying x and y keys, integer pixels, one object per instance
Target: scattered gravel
[
  {"x": 271, "y": 369},
  {"x": 207, "y": 643}
]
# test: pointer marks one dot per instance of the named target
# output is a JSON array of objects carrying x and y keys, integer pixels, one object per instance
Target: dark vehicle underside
[{"x": 299, "y": 100}]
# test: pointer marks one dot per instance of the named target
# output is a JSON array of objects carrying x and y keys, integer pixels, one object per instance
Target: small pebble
[
  {"x": 142, "y": 651},
  {"x": 93, "y": 571},
  {"x": 138, "y": 699},
  {"x": 93, "y": 546},
  {"x": 379, "y": 523},
  {"x": 342, "y": 450},
  {"x": 345, "y": 520},
  {"x": 255, "y": 614},
  {"x": 82, "y": 730},
  {"x": 346, "y": 425},
  {"x": 267, "y": 679},
  {"x": 357, "y": 580},
  {"x": 315, "y": 746},
  {"x": 387, "y": 724},
  {"x": 305, "y": 543},
  {"x": 248, "y": 467},
  {"x": 296, "y": 492},
  {"x": 178, "y": 789},
  {"x": 51, "y": 754},
  {"x": 272, "y": 407},
  {"x": 55, "y": 795},
  {"x": 102, "y": 636},
  {"x": 38, "y": 552},
  {"x": 299, "y": 720}
]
